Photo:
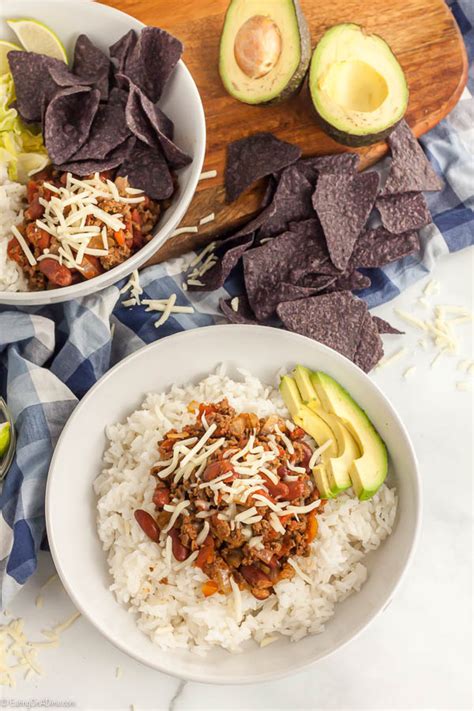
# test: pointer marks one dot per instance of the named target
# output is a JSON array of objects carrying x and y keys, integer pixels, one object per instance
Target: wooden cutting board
[{"x": 422, "y": 33}]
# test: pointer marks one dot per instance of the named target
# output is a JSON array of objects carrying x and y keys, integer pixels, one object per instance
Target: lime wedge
[
  {"x": 36, "y": 37},
  {"x": 5, "y": 437},
  {"x": 6, "y": 47}
]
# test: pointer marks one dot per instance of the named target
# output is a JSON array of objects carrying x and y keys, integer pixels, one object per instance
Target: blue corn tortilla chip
[
  {"x": 378, "y": 247},
  {"x": 269, "y": 271},
  {"x": 68, "y": 120},
  {"x": 370, "y": 348},
  {"x": 343, "y": 203},
  {"x": 338, "y": 163},
  {"x": 351, "y": 281},
  {"x": 229, "y": 252},
  {"x": 243, "y": 314},
  {"x": 118, "y": 97},
  {"x": 318, "y": 282},
  {"x": 410, "y": 170},
  {"x": 385, "y": 327},
  {"x": 121, "y": 49},
  {"x": 291, "y": 203},
  {"x": 404, "y": 212},
  {"x": 34, "y": 85},
  {"x": 152, "y": 126},
  {"x": 113, "y": 160},
  {"x": 91, "y": 65},
  {"x": 332, "y": 319},
  {"x": 151, "y": 61},
  {"x": 254, "y": 157},
  {"x": 317, "y": 258},
  {"x": 108, "y": 131},
  {"x": 147, "y": 169}
]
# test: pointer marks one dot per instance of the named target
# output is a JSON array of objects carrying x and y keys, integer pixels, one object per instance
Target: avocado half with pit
[
  {"x": 265, "y": 50},
  {"x": 357, "y": 86}
]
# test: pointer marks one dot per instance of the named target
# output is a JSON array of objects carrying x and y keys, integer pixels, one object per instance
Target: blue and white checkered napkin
[{"x": 51, "y": 356}]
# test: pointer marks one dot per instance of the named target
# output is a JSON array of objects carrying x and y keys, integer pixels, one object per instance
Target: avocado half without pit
[
  {"x": 357, "y": 86},
  {"x": 265, "y": 50}
]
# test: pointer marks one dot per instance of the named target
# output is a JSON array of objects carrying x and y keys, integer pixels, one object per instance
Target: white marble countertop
[{"x": 416, "y": 655}]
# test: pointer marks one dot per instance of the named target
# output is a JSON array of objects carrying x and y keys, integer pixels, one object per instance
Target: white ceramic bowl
[
  {"x": 181, "y": 101},
  {"x": 71, "y": 504}
]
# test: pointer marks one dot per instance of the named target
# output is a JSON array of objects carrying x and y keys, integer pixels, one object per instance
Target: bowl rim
[
  {"x": 135, "y": 261},
  {"x": 208, "y": 678}
]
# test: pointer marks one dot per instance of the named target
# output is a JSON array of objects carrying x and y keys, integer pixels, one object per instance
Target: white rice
[
  {"x": 177, "y": 615},
  {"x": 12, "y": 201}
]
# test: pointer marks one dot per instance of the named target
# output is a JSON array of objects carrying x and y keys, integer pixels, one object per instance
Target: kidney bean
[
  {"x": 255, "y": 577},
  {"x": 161, "y": 496},
  {"x": 279, "y": 490},
  {"x": 180, "y": 552},
  {"x": 35, "y": 209},
  {"x": 306, "y": 454},
  {"x": 148, "y": 524},
  {"x": 295, "y": 489},
  {"x": 217, "y": 468},
  {"x": 56, "y": 273}
]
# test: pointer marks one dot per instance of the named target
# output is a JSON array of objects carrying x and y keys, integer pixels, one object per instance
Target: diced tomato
[
  {"x": 295, "y": 489},
  {"x": 278, "y": 490},
  {"x": 37, "y": 237},
  {"x": 206, "y": 553},
  {"x": 15, "y": 252},
  {"x": 297, "y": 433}
]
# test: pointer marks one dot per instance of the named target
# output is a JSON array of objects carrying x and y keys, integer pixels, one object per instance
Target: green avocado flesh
[
  {"x": 264, "y": 51},
  {"x": 357, "y": 86},
  {"x": 367, "y": 472},
  {"x": 5, "y": 437},
  {"x": 357, "y": 456}
]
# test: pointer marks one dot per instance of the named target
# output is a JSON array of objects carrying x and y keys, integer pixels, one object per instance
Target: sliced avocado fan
[
  {"x": 357, "y": 86},
  {"x": 368, "y": 471},
  {"x": 336, "y": 468},
  {"x": 264, "y": 51}
]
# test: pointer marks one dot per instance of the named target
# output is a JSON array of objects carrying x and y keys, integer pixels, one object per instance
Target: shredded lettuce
[{"x": 21, "y": 148}]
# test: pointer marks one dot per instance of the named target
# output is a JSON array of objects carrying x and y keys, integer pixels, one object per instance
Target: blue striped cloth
[{"x": 51, "y": 356}]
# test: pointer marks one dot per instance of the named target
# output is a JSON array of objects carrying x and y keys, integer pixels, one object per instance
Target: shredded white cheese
[
  {"x": 206, "y": 175},
  {"x": 184, "y": 230},
  {"x": 208, "y": 218},
  {"x": 409, "y": 372},
  {"x": 392, "y": 359},
  {"x": 317, "y": 453}
]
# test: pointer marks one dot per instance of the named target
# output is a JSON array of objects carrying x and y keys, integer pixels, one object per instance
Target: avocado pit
[{"x": 257, "y": 46}]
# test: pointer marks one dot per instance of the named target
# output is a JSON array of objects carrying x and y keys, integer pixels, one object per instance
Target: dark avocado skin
[
  {"x": 348, "y": 139},
  {"x": 296, "y": 80}
]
